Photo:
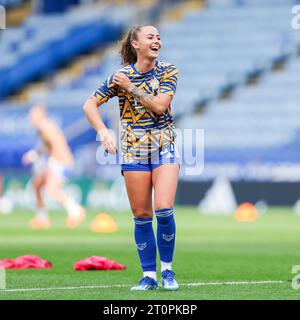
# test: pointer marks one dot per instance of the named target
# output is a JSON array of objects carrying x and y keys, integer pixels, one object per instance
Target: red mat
[
  {"x": 25, "y": 262},
  {"x": 97, "y": 263}
]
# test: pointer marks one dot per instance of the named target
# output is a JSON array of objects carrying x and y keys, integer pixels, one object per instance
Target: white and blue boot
[
  {"x": 146, "y": 283},
  {"x": 168, "y": 280}
]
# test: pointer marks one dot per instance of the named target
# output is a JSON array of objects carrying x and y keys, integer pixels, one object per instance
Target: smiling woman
[
  {"x": 145, "y": 87},
  {"x": 144, "y": 44}
]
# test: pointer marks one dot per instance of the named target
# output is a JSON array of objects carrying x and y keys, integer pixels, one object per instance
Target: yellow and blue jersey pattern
[{"x": 143, "y": 131}]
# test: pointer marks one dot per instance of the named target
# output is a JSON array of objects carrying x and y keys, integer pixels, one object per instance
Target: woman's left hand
[{"x": 122, "y": 81}]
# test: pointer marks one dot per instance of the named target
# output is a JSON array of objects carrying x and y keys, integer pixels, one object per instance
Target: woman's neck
[{"x": 144, "y": 65}]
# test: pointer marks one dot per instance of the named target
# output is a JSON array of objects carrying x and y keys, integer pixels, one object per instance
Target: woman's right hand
[{"x": 108, "y": 141}]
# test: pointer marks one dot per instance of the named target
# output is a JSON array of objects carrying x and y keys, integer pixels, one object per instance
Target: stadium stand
[
  {"x": 214, "y": 54},
  {"x": 219, "y": 50},
  {"x": 233, "y": 126},
  {"x": 43, "y": 43},
  {"x": 10, "y": 3},
  {"x": 211, "y": 51},
  {"x": 249, "y": 125},
  {"x": 38, "y": 49}
]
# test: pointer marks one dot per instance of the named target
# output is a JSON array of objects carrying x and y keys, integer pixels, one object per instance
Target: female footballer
[
  {"x": 51, "y": 163},
  {"x": 145, "y": 87}
]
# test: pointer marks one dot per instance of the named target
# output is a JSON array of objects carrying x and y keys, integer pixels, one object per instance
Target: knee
[{"x": 142, "y": 213}]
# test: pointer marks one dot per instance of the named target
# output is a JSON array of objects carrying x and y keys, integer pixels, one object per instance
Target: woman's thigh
[
  {"x": 139, "y": 191},
  {"x": 165, "y": 180}
]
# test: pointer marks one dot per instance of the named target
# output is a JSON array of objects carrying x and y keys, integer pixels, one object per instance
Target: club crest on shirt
[
  {"x": 141, "y": 246},
  {"x": 139, "y": 108},
  {"x": 168, "y": 237},
  {"x": 154, "y": 83}
]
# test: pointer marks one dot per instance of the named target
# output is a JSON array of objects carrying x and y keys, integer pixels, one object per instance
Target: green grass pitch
[{"x": 216, "y": 257}]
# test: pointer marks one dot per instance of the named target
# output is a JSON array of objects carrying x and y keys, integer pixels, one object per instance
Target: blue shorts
[{"x": 166, "y": 156}]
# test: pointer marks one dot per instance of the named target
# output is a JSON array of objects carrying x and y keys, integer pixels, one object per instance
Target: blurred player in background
[
  {"x": 145, "y": 88},
  {"x": 38, "y": 158},
  {"x": 52, "y": 160}
]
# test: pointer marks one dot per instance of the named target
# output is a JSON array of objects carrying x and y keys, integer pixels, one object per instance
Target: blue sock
[
  {"x": 145, "y": 242},
  {"x": 166, "y": 231}
]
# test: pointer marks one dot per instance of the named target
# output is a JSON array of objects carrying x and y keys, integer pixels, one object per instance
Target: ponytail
[{"x": 127, "y": 52}]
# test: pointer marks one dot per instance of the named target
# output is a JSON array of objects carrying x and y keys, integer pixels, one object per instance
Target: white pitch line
[
  {"x": 232, "y": 283},
  {"x": 64, "y": 288},
  {"x": 193, "y": 284}
]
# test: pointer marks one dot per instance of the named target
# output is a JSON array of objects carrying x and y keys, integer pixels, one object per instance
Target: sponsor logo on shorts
[{"x": 166, "y": 153}]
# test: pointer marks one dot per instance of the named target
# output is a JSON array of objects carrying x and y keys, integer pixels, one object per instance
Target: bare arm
[
  {"x": 157, "y": 104},
  {"x": 90, "y": 109}
]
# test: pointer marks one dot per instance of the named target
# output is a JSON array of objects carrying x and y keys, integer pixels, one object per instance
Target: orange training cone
[
  {"x": 246, "y": 212},
  {"x": 104, "y": 223}
]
